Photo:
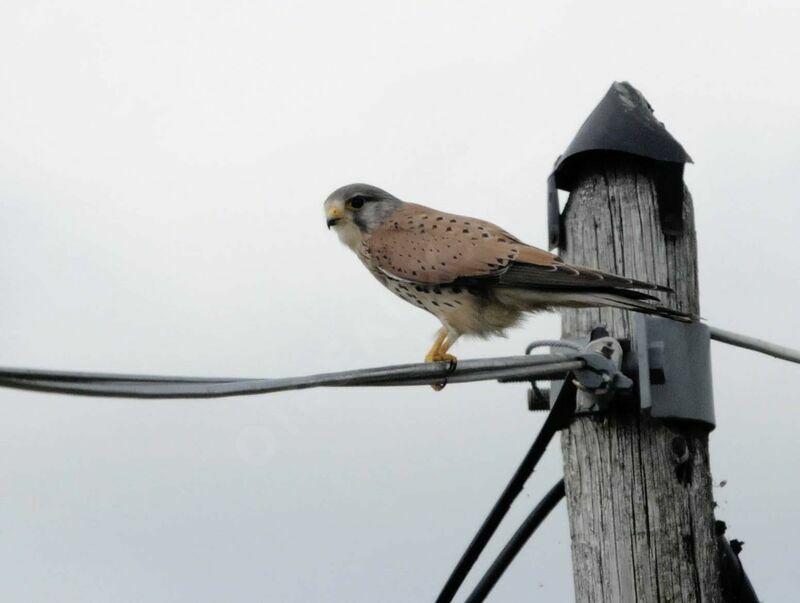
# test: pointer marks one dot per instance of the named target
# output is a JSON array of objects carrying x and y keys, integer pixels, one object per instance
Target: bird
[{"x": 475, "y": 277}]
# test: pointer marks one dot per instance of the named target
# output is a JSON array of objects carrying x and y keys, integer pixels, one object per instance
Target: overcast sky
[{"x": 162, "y": 172}]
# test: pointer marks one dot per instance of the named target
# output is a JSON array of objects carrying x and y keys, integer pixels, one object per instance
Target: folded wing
[{"x": 422, "y": 245}]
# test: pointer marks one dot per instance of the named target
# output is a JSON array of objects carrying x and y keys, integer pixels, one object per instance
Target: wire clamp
[
  {"x": 667, "y": 374},
  {"x": 600, "y": 378},
  {"x": 602, "y": 375}
]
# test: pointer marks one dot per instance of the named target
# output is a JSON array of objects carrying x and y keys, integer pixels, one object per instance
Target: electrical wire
[
  {"x": 540, "y": 366},
  {"x": 559, "y": 417},
  {"x": 515, "y": 544},
  {"x": 757, "y": 345},
  {"x": 553, "y": 343},
  {"x": 543, "y": 366}
]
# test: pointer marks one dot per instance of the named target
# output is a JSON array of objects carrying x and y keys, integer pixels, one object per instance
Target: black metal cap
[{"x": 623, "y": 122}]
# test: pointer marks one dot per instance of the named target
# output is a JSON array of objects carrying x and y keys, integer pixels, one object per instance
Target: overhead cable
[
  {"x": 540, "y": 366},
  {"x": 757, "y": 345}
]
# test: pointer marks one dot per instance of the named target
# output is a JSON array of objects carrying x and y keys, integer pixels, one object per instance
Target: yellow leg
[
  {"x": 446, "y": 345},
  {"x": 433, "y": 354}
]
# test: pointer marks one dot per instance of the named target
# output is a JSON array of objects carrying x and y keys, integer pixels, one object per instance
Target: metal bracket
[{"x": 672, "y": 372}]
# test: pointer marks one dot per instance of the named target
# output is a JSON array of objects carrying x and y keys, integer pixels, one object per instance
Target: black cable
[
  {"x": 736, "y": 586},
  {"x": 559, "y": 417},
  {"x": 518, "y": 540}
]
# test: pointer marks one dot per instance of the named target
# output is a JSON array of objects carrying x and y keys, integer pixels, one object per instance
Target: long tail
[
  {"x": 645, "y": 305},
  {"x": 626, "y": 299}
]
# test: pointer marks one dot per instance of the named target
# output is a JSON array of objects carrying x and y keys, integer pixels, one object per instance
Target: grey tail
[{"x": 637, "y": 302}]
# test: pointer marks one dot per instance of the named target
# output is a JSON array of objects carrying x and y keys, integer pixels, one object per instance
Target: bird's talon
[
  {"x": 452, "y": 363},
  {"x": 441, "y": 357}
]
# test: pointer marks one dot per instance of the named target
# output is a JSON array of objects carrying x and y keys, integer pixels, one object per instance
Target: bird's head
[{"x": 355, "y": 210}]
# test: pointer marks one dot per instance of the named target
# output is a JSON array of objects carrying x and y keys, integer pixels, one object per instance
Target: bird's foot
[
  {"x": 438, "y": 353},
  {"x": 440, "y": 356}
]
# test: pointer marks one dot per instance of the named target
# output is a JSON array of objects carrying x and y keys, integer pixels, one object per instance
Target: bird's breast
[{"x": 467, "y": 310}]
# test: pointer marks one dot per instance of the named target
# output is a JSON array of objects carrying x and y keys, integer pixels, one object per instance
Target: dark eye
[{"x": 356, "y": 202}]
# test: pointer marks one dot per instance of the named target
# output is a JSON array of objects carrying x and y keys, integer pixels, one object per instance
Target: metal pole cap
[{"x": 622, "y": 123}]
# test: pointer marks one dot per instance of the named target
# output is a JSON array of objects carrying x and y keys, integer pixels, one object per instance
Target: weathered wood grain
[{"x": 638, "y": 490}]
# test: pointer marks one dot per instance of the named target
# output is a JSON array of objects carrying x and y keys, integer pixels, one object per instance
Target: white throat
[{"x": 349, "y": 234}]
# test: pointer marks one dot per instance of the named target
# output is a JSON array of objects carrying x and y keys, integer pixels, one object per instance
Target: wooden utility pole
[{"x": 638, "y": 489}]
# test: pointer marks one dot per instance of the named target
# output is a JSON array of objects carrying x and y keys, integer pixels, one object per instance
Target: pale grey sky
[{"x": 162, "y": 171}]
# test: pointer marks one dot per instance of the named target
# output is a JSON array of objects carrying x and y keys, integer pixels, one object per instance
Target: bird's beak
[{"x": 334, "y": 214}]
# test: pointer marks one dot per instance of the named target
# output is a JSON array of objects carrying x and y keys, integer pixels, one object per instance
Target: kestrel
[{"x": 475, "y": 277}]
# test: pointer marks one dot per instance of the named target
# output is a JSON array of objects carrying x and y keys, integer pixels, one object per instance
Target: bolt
[{"x": 537, "y": 400}]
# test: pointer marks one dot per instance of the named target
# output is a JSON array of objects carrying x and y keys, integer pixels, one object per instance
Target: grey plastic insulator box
[{"x": 682, "y": 351}]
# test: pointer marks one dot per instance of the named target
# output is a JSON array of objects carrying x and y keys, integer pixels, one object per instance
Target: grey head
[{"x": 363, "y": 205}]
